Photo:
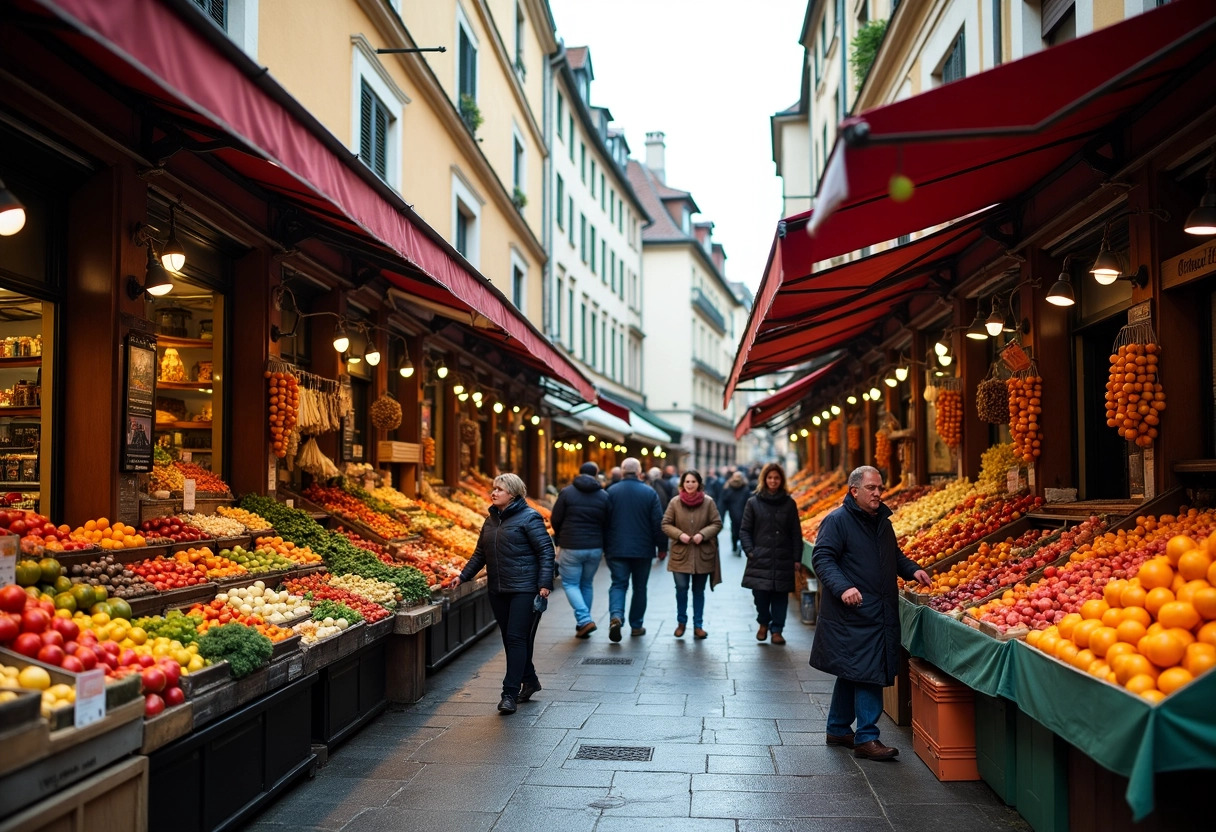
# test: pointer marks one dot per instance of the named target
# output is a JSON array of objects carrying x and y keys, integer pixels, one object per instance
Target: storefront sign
[
  {"x": 90, "y": 697},
  {"x": 8, "y": 558},
  {"x": 138, "y": 409},
  {"x": 1192, "y": 265}
]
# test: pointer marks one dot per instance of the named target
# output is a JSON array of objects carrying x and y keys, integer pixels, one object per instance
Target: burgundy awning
[
  {"x": 982, "y": 140},
  {"x": 811, "y": 315},
  {"x": 783, "y": 399},
  {"x": 619, "y": 411},
  {"x": 145, "y": 45}
]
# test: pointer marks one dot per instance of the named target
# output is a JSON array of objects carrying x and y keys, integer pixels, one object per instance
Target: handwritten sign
[
  {"x": 90, "y": 697},
  {"x": 188, "y": 490},
  {"x": 1012, "y": 480},
  {"x": 8, "y": 559}
]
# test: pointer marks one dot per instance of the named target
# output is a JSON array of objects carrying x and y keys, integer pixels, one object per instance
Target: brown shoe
[
  {"x": 679, "y": 630},
  {"x": 637, "y": 631},
  {"x": 874, "y": 750},
  {"x": 762, "y": 633},
  {"x": 585, "y": 630},
  {"x": 699, "y": 633},
  {"x": 778, "y": 638},
  {"x": 841, "y": 739}
]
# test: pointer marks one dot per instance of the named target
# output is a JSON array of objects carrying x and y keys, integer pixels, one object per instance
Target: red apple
[
  {"x": 28, "y": 644},
  {"x": 53, "y": 637},
  {"x": 67, "y": 627},
  {"x": 9, "y": 629},
  {"x": 173, "y": 671},
  {"x": 87, "y": 657},
  {"x": 12, "y": 598},
  {"x": 34, "y": 620},
  {"x": 72, "y": 664},
  {"x": 153, "y": 705},
  {"x": 145, "y": 660},
  {"x": 51, "y": 654},
  {"x": 174, "y": 696}
]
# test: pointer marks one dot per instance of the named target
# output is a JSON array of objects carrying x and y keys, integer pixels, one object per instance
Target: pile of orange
[
  {"x": 289, "y": 550},
  {"x": 215, "y": 565},
  {"x": 117, "y": 536},
  {"x": 882, "y": 450},
  {"x": 834, "y": 430},
  {"x": 1152, "y": 634},
  {"x": 949, "y": 420}
]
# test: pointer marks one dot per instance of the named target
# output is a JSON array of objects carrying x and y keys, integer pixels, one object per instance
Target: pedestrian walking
[
  {"x": 772, "y": 541},
  {"x": 713, "y": 485},
  {"x": 579, "y": 519},
  {"x": 692, "y": 523},
  {"x": 857, "y": 560},
  {"x": 634, "y": 537},
  {"x": 518, "y": 556},
  {"x": 614, "y": 476},
  {"x": 734, "y": 498},
  {"x": 672, "y": 478},
  {"x": 655, "y": 477}
]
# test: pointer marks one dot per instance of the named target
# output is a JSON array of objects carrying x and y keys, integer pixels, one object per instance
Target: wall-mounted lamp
[
  {"x": 865, "y": 397},
  {"x": 464, "y": 397},
  {"x": 173, "y": 256},
  {"x": 995, "y": 322},
  {"x": 1061, "y": 292},
  {"x": 851, "y": 400},
  {"x": 498, "y": 407},
  {"x": 458, "y": 388},
  {"x": 901, "y": 373},
  {"x": 406, "y": 367},
  {"x": 890, "y": 381},
  {"x": 836, "y": 409},
  {"x": 1201, "y": 221},
  {"x": 804, "y": 433},
  {"x": 978, "y": 331},
  {"x": 341, "y": 339},
  {"x": 156, "y": 280},
  {"x": 12, "y": 212},
  {"x": 875, "y": 394},
  {"x": 816, "y": 421},
  {"x": 942, "y": 345},
  {"x": 793, "y": 438},
  {"x": 535, "y": 419},
  {"x": 354, "y": 356},
  {"x": 477, "y": 395},
  {"x": 442, "y": 371}
]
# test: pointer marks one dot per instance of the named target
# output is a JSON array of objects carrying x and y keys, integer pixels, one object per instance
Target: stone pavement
[{"x": 736, "y": 727}]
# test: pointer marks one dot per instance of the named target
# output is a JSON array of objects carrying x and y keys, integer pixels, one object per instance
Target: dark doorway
[{"x": 1105, "y": 450}]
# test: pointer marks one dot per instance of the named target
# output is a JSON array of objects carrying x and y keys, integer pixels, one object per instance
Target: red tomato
[{"x": 153, "y": 705}]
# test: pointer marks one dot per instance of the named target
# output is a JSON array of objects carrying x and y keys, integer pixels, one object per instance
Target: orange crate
[
  {"x": 943, "y": 709},
  {"x": 946, "y": 764}
]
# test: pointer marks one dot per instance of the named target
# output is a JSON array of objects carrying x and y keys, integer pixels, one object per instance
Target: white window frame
[
  {"x": 462, "y": 22},
  {"x": 243, "y": 25},
  {"x": 517, "y": 137},
  {"x": 366, "y": 67},
  {"x": 518, "y": 262},
  {"x": 463, "y": 193}
]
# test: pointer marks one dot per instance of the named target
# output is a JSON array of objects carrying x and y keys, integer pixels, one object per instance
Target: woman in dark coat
[
  {"x": 857, "y": 560},
  {"x": 517, "y": 553},
  {"x": 772, "y": 541},
  {"x": 734, "y": 497}
]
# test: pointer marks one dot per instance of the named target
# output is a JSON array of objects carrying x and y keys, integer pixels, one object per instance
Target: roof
[
  {"x": 662, "y": 227},
  {"x": 579, "y": 57}
]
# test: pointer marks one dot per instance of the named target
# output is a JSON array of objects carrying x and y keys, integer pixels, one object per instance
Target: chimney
[{"x": 656, "y": 155}]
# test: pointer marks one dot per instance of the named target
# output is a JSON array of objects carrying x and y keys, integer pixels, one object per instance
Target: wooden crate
[
  {"x": 113, "y": 799},
  {"x": 399, "y": 451},
  {"x": 165, "y": 727}
]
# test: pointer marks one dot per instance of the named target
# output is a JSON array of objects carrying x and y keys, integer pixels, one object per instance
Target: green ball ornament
[{"x": 900, "y": 187}]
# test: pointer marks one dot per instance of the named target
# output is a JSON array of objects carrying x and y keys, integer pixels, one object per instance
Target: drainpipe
[
  {"x": 844, "y": 61},
  {"x": 547, "y": 278}
]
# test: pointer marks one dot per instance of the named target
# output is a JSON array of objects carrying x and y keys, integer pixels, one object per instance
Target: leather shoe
[
  {"x": 614, "y": 630},
  {"x": 637, "y": 631},
  {"x": 679, "y": 630},
  {"x": 526, "y": 690},
  {"x": 762, "y": 633},
  {"x": 506, "y": 705},
  {"x": 585, "y": 630},
  {"x": 874, "y": 750},
  {"x": 841, "y": 739},
  {"x": 699, "y": 633},
  {"x": 778, "y": 638}
]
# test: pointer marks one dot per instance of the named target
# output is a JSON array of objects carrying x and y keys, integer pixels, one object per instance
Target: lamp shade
[
  {"x": 157, "y": 281},
  {"x": 901, "y": 373},
  {"x": 941, "y": 347},
  {"x": 978, "y": 331},
  {"x": 1201, "y": 221},
  {"x": 816, "y": 421},
  {"x": 1061, "y": 293},
  {"x": 1106, "y": 268},
  {"x": 945, "y": 360},
  {"x": 875, "y": 394},
  {"x": 373, "y": 356},
  {"x": 835, "y": 410},
  {"x": 12, "y": 212},
  {"x": 995, "y": 322},
  {"x": 442, "y": 371},
  {"x": 890, "y": 381},
  {"x": 341, "y": 339},
  {"x": 406, "y": 368}
]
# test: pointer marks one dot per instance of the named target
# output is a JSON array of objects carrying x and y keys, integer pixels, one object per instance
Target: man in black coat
[
  {"x": 857, "y": 560},
  {"x": 735, "y": 494},
  {"x": 579, "y": 519},
  {"x": 660, "y": 486},
  {"x": 634, "y": 535},
  {"x": 714, "y": 483}
]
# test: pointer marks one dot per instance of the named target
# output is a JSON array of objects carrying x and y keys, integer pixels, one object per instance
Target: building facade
[{"x": 693, "y": 315}]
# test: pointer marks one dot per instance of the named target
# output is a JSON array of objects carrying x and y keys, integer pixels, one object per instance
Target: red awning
[
  {"x": 982, "y": 140},
  {"x": 619, "y": 411},
  {"x": 147, "y": 46},
  {"x": 783, "y": 399},
  {"x": 811, "y": 315}
]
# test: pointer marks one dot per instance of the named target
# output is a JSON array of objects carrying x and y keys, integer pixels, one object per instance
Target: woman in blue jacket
[{"x": 517, "y": 553}]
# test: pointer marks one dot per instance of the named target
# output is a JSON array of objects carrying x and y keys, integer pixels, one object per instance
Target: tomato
[
  {"x": 174, "y": 696},
  {"x": 173, "y": 672},
  {"x": 153, "y": 679},
  {"x": 52, "y": 654},
  {"x": 153, "y": 705}
]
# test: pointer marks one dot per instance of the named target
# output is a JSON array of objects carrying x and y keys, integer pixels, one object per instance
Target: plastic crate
[
  {"x": 943, "y": 709},
  {"x": 946, "y": 764},
  {"x": 996, "y": 745}
]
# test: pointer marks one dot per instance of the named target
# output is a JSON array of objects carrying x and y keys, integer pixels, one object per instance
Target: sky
[{"x": 708, "y": 74}]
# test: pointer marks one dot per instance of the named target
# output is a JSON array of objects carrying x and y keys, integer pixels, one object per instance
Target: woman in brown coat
[{"x": 692, "y": 522}]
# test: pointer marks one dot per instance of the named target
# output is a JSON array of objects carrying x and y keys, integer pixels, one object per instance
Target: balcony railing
[
  {"x": 707, "y": 308},
  {"x": 702, "y": 367}
]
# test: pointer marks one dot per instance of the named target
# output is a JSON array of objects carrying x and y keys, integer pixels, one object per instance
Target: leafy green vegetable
[
  {"x": 244, "y": 648},
  {"x": 335, "y": 610}
]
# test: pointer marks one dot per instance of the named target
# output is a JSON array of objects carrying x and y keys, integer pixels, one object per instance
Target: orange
[
  {"x": 1101, "y": 639},
  {"x": 1047, "y": 643},
  {"x": 1067, "y": 623},
  {"x": 1204, "y": 602},
  {"x": 1066, "y": 651},
  {"x": 1110, "y": 677},
  {"x": 1187, "y": 593},
  {"x": 1157, "y": 598},
  {"x": 1098, "y": 668},
  {"x": 1162, "y": 649},
  {"x": 1172, "y": 679},
  {"x": 1212, "y": 572},
  {"x": 1032, "y": 638},
  {"x": 1112, "y": 591},
  {"x": 1178, "y": 583},
  {"x": 1194, "y": 564},
  {"x": 1082, "y": 632},
  {"x": 1140, "y": 683},
  {"x": 1152, "y": 695},
  {"x": 1138, "y": 614},
  {"x": 1094, "y": 608},
  {"x": 1178, "y": 545},
  {"x": 1178, "y": 614},
  {"x": 1131, "y": 631},
  {"x": 1210, "y": 545},
  {"x": 1119, "y": 648},
  {"x": 1132, "y": 596},
  {"x": 1207, "y": 633},
  {"x": 1154, "y": 573},
  {"x": 1199, "y": 658},
  {"x": 1131, "y": 664},
  {"x": 1112, "y": 617},
  {"x": 1184, "y": 636},
  {"x": 1083, "y": 659}
]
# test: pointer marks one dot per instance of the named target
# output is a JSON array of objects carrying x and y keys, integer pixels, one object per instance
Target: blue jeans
[
  {"x": 855, "y": 700},
  {"x": 683, "y": 579},
  {"x": 771, "y": 608},
  {"x": 577, "y": 568},
  {"x": 622, "y": 570}
]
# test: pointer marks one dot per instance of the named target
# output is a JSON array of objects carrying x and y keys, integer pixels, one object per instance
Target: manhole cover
[
  {"x": 607, "y": 661},
  {"x": 629, "y": 753}
]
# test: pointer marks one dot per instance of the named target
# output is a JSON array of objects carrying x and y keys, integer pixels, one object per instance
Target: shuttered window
[
  {"x": 468, "y": 65},
  {"x": 373, "y": 132},
  {"x": 1053, "y": 13},
  {"x": 217, "y": 10},
  {"x": 955, "y": 66}
]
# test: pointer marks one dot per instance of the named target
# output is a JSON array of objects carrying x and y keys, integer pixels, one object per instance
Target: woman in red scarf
[{"x": 692, "y": 522}]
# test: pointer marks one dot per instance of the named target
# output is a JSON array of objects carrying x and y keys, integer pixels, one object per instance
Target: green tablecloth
[{"x": 1120, "y": 731}]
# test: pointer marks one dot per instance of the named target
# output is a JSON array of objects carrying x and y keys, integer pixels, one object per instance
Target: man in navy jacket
[
  {"x": 579, "y": 519},
  {"x": 634, "y": 535}
]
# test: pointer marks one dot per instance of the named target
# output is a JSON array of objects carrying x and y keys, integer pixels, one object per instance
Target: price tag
[
  {"x": 90, "y": 697},
  {"x": 271, "y": 473},
  {"x": 187, "y": 456},
  {"x": 369, "y": 484},
  {"x": 1030, "y": 477},
  {"x": 9, "y": 544},
  {"x": 1011, "y": 480},
  {"x": 291, "y": 503},
  {"x": 188, "y": 488}
]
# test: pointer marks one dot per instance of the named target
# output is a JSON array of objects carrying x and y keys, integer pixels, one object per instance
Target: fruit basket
[{"x": 118, "y": 691}]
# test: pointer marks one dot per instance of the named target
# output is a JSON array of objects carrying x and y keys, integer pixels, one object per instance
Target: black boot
[{"x": 507, "y": 705}]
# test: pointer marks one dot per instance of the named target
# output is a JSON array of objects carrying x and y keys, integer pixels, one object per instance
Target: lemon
[
  {"x": 34, "y": 678},
  {"x": 138, "y": 635}
]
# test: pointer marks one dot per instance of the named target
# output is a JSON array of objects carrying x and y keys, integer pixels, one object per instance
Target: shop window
[{"x": 26, "y": 325}]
